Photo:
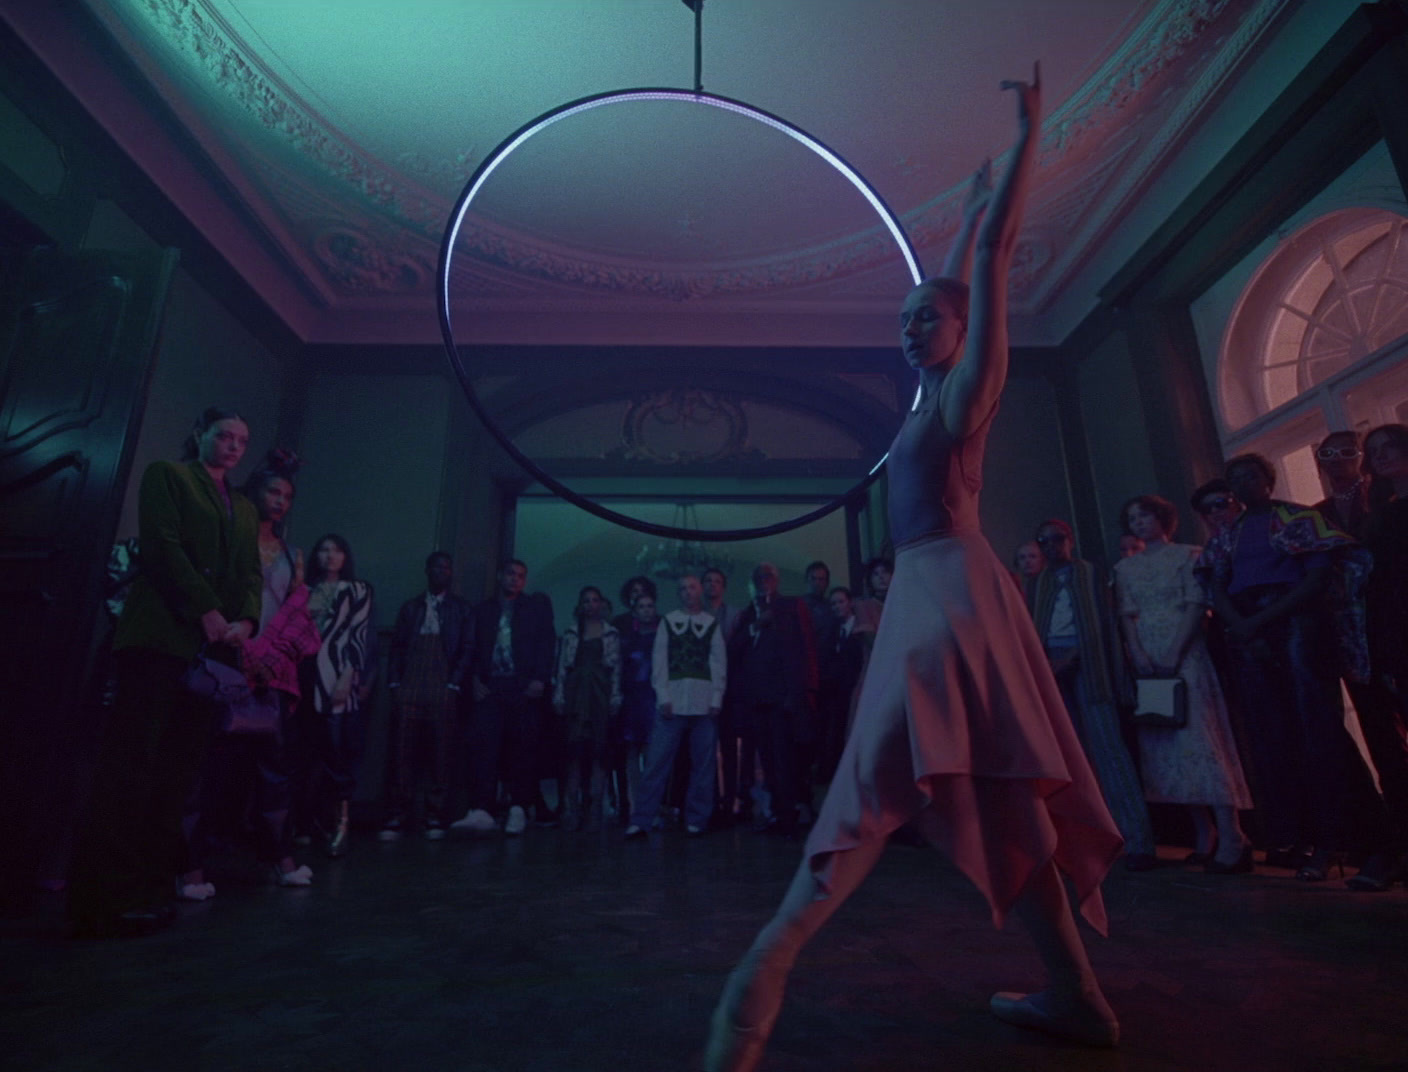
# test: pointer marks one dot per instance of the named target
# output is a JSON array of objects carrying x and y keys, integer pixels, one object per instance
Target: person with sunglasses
[
  {"x": 1339, "y": 458},
  {"x": 1216, "y": 505}
]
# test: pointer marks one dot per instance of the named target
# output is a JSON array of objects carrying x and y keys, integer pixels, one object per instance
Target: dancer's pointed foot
[
  {"x": 732, "y": 1048},
  {"x": 1086, "y": 1018},
  {"x": 743, "y": 1020}
]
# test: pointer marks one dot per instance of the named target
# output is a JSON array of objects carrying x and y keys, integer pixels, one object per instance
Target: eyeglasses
[
  {"x": 1051, "y": 538},
  {"x": 1222, "y": 502},
  {"x": 1329, "y": 454}
]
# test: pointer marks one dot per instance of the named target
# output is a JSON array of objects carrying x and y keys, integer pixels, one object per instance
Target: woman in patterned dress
[
  {"x": 336, "y": 683},
  {"x": 1162, "y": 607}
]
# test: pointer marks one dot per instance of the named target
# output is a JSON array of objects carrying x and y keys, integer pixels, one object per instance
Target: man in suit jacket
[
  {"x": 431, "y": 646},
  {"x": 772, "y": 688},
  {"x": 510, "y": 669}
]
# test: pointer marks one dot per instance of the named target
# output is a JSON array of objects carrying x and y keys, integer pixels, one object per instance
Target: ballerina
[{"x": 960, "y": 726}]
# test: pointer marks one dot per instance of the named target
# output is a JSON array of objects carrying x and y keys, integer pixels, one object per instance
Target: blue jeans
[{"x": 665, "y": 738}]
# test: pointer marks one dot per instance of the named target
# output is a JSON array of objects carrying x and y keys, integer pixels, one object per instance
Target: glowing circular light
[{"x": 583, "y": 104}]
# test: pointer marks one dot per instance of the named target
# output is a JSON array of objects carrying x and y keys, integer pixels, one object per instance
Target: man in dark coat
[
  {"x": 510, "y": 668},
  {"x": 772, "y": 688},
  {"x": 429, "y": 660}
]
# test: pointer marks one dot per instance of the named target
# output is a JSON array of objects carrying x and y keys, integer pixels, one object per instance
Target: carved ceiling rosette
[{"x": 685, "y": 425}]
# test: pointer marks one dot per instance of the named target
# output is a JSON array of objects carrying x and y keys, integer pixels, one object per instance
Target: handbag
[
  {"x": 242, "y": 708},
  {"x": 1161, "y": 702}
]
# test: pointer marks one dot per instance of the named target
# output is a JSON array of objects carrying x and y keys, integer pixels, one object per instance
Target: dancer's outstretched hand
[
  {"x": 1028, "y": 95},
  {"x": 979, "y": 190}
]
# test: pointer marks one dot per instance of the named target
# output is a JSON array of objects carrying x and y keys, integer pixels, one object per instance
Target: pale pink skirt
[{"x": 961, "y": 727}]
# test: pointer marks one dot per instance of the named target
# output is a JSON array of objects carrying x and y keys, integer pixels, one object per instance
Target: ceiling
[{"x": 344, "y": 130}]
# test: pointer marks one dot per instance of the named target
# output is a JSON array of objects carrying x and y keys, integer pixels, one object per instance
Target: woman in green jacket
[{"x": 198, "y": 589}]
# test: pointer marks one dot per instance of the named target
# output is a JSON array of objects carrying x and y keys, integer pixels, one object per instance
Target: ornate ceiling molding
[
  {"x": 415, "y": 192},
  {"x": 1256, "y": 17}
]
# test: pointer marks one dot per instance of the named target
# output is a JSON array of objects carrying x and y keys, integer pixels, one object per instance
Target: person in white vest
[{"x": 689, "y": 671}]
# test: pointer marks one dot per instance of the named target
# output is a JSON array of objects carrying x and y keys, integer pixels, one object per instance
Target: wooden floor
[{"x": 582, "y": 952}]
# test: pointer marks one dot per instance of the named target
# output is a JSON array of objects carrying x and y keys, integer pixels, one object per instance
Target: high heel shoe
[{"x": 1317, "y": 868}]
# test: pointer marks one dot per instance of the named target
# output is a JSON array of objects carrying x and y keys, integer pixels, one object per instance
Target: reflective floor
[{"x": 583, "y": 952}]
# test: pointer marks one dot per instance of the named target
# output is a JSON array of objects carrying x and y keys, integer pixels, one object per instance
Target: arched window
[{"x": 1318, "y": 341}]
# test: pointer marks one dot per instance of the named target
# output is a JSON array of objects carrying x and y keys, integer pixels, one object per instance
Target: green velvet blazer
[{"x": 195, "y": 558}]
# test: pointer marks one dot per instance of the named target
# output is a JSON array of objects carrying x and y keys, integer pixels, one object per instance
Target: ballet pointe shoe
[
  {"x": 1085, "y": 1019},
  {"x": 738, "y": 1033}
]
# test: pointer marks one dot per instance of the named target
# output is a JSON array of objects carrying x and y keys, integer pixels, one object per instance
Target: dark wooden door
[{"x": 77, "y": 339}]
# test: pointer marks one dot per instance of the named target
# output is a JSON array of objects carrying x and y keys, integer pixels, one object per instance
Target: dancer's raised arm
[
  {"x": 971, "y": 390},
  {"x": 959, "y": 262}
]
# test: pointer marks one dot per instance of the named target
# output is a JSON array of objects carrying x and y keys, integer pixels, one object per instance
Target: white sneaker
[
  {"x": 299, "y": 876},
  {"x": 476, "y": 821},
  {"x": 517, "y": 821},
  {"x": 196, "y": 891}
]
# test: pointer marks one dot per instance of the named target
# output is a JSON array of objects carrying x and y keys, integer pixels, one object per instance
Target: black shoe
[
  {"x": 1241, "y": 866},
  {"x": 1378, "y": 874},
  {"x": 1317, "y": 868}
]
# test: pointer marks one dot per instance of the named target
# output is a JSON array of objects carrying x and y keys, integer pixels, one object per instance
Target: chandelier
[{"x": 669, "y": 560}]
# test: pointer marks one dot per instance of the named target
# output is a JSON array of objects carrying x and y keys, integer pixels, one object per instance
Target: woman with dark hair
[
  {"x": 249, "y": 773},
  {"x": 638, "y": 704},
  {"x": 994, "y": 776},
  {"x": 198, "y": 590},
  {"x": 587, "y": 695},
  {"x": 1162, "y": 607},
  {"x": 631, "y": 590},
  {"x": 869, "y": 608},
  {"x": 335, "y": 686}
]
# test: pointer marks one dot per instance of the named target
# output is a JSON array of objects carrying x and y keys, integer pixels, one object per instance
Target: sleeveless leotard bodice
[{"x": 934, "y": 476}]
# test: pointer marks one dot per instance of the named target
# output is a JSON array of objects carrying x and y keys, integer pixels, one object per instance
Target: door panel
[{"x": 79, "y": 333}]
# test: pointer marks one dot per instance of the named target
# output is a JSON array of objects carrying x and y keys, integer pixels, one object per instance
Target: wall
[
  {"x": 1121, "y": 465},
  {"x": 374, "y": 452},
  {"x": 1024, "y": 472}
]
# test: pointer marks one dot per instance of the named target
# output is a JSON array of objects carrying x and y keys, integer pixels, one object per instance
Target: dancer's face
[
  {"x": 931, "y": 331},
  {"x": 644, "y": 609}
]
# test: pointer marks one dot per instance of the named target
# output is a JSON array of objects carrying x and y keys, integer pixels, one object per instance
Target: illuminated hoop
[{"x": 583, "y": 104}]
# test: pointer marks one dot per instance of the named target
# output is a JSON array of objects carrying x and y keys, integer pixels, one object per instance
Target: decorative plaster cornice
[
  {"x": 1129, "y": 181},
  {"x": 413, "y": 193}
]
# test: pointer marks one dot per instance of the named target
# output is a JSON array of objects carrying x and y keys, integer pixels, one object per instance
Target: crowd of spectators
[{"x": 680, "y": 707}]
